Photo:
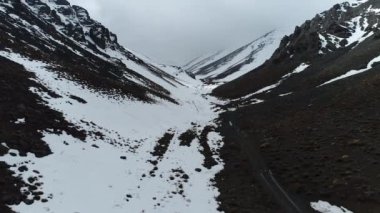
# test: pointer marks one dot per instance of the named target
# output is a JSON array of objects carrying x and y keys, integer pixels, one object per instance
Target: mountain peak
[{"x": 74, "y": 21}]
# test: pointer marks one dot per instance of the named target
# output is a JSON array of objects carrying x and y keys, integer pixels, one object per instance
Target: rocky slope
[
  {"x": 230, "y": 64},
  {"x": 343, "y": 30},
  {"x": 56, "y": 32},
  {"x": 312, "y": 111},
  {"x": 89, "y": 126}
]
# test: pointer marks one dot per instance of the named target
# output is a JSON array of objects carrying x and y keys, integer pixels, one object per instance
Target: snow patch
[
  {"x": 358, "y": 30},
  {"x": 325, "y": 207},
  {"x": 371, "y": 9},
  {"x": 356, "y": 3},
  {"x": 353, "y": 72},
  {"x": 20, "y": 121},
  {"x": 286, "y": 94},
  {"x": 302, "y": 67}
]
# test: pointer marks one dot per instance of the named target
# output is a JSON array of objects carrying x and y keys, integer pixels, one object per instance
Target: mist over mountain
[{"x": 174, "y": 32}]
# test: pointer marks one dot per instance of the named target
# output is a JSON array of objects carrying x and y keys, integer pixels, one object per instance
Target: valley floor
[
  {"x": 140, "y": 157},
  {"x": 68, "y": 148}
]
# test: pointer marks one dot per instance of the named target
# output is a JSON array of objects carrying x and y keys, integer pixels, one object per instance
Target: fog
[{"x": 175, "y": 31}]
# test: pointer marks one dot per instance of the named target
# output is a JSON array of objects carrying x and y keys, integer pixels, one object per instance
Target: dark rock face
[
  {"x": 62, "y": 2},
  {"x": 83, "y": 16},
  {"x": 9, "y": 193},
  {"x": 100, "y": 35},
  {"x": 320, "y": 142},
  {"x": 75, "y": 17}
]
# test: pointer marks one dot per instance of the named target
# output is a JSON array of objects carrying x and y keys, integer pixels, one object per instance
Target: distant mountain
[{"x": 230, "y": 64}]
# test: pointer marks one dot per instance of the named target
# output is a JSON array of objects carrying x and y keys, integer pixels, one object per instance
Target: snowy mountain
[
  {"x": 65, "y": 34},
  {"x": 230, "y": 64},
  {"x": 343, "y": 29},
  {"x": 312, "y": 111},
  {"x": 90, "y": 126}
]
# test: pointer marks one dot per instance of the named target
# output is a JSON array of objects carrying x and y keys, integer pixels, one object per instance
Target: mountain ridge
[
  {"x": 309, "y": 43},
  {"x": 82, "y": 36},
  {"x": 226, "y": 65},
  {"x": 311, "y": 110}
]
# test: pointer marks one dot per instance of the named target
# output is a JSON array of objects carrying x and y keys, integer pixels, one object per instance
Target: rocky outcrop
[{"x": 75, "y": 22}]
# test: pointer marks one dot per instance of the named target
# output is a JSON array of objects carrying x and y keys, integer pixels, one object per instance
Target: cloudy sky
[{"x": 175, "y": 31}]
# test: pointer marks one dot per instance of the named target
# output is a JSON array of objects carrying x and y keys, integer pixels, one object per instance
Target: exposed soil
[
  {"x": 239, "y": 189},
  {"x": 321, "y": 144},
  {"x": 209, "y": 161},
  {"x": 162, "y": 145},
  {"x": 187, "y": 137}
]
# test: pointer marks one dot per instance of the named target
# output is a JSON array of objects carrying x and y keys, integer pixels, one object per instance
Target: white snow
[
  {"x": 371, "y": 9},
  {"x": 97, "y": 176},
  {"x": 4, "y": 145},
  {"x": 20, "y": 121},
  {"x": 324, "y": 42},
  {"x": 359, "y": 32},
  {"x": 353, "y": 72},
  {"x": 259, "y": 58},
  {"x": 325, "y": 207},
  {"x": 249, "y": 100},
  {"x": 267, "y": 88},
  {"x": 357, "y": 27},
  {"x": 259, "y": 50},
  {"x": 302, "y": 67},
  {"x": 194, "y": 65},
  {"x": 335, "y": 40},
  {"x": 356, "y": 3},
  {"x": 286, "y": 94}
]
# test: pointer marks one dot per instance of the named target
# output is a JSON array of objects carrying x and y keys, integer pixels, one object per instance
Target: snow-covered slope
[
  {"x": 89, "y": 126},
  {"x": 230, "y": 64},
  {"x": 132, "y": 158},
  {"x": 63, "y": 33}
]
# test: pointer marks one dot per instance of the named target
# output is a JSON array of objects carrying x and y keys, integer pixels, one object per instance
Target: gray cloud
[{"x": 175, "y": 31}]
